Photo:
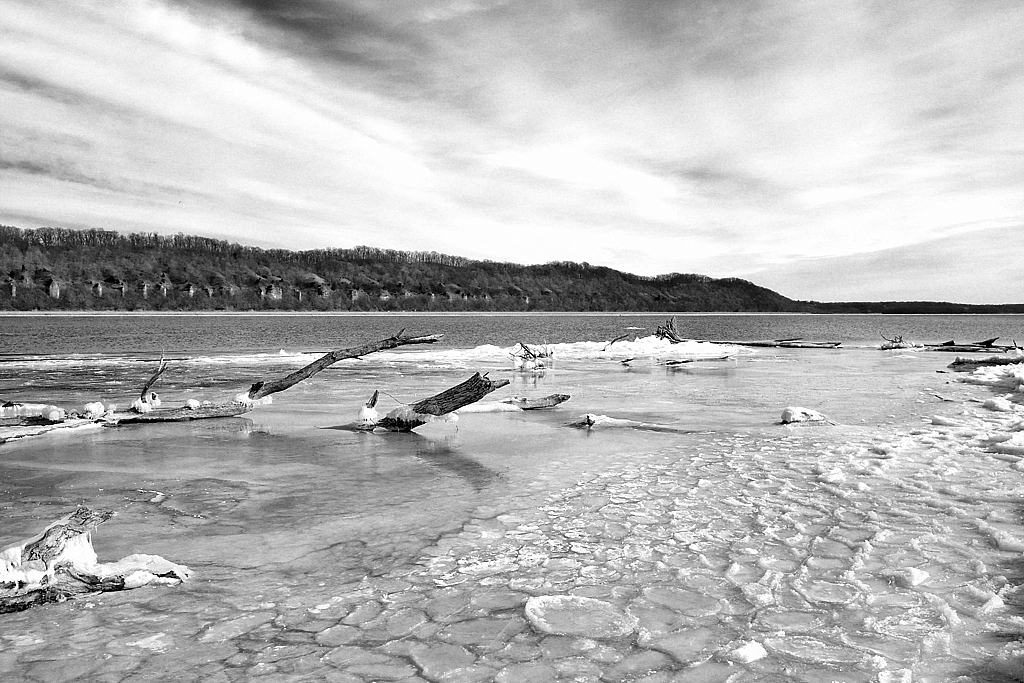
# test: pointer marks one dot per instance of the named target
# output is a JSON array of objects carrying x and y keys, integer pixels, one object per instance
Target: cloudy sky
[{"x": 830, "y": 150}]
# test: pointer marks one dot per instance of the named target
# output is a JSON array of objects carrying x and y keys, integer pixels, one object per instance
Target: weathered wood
[
  {"x": 262, "y": 389},
  {"x": 407, "y": 418},
  {"x": 668, "y": 331},
  {"x": 50, "y": 544},
  {"x": 619, "y": 338},
  {"x": 37, "y": 426},
  {"x": 971, "y": 364},
  {"x": 967, "y": 348},
  {"x": 537, "y": 403},
  {"x": 59, "y": 563},
  {"x": 203, "y": 412},
  {"x": 152, "y": 380}
]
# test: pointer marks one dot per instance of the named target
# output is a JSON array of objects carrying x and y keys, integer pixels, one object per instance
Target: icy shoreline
[{"x": 855, "y": 553}]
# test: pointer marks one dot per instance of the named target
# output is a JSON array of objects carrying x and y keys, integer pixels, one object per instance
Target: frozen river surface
[{"x": 699, "y": 541}]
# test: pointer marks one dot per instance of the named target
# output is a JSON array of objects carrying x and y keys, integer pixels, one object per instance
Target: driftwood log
[
  {"x": 59, "y": 563},
  {"x": 47, "y": 418},
  {"x": 537, "y": 403},
  {"x": 408, "y": 417},
  {"x": 971, "y": 364},
  {"x": 668, "y": 331},
  {"x": 201, "y": 412},
  {"x": 984, "y": 346},
  {"x": 262, "y": 389}
]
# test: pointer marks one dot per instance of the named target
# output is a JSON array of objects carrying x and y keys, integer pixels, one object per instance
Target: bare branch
[{"x": 261, "y": 389}]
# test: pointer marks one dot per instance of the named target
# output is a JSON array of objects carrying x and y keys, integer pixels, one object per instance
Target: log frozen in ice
[
  {"x": 537, "y": 403},
  {"x": 262, "y": 389},
  {"x": 59, "y": 563},
  {"x": 407, "y": 418},
  {"x": 202, "y": 412}
]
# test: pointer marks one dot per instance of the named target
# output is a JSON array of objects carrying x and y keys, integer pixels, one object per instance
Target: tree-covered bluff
[
  {"x": 60, "y": 269},
  {"x": 85, "y": 270}
]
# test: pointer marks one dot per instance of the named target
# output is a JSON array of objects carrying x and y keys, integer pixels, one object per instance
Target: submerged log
[
  {"x": 537, "y": 403},
  {"x": 409, "y": 417},
  {"x": 262, "y": 389},
  {"x": 591, "y": 421},
  {"x": 59, "y": 563}
]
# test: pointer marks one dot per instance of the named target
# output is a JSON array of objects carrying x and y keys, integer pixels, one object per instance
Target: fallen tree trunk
[
  {"x": 262, "y": 389},
  {"x": 34, "y": 427},
  {"x": 407, "y": 418},
  {"x": 967, "y": 348},
  {"x": 668, "y": 331},
  {"x": 46, "y": 418},
  {"x": 203, "y": 412},
  {"x": 59, "y": 563},
  {"x": 971, "y": 364}
]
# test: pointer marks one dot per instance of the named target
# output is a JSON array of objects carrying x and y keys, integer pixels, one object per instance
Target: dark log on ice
[
  {"x": 967, "y": 348},
  {"x": 971, "y": 364},
  {"x": 59, "y": 563},
  {"x": 782, "y": 344},
  {"x": 525, "y": 351},
  {"x": 668, "y": 331},
  {"x": 537, "y": 403},
  {"x": 203, "y": 412},
  {"x": 261, "y": 389},
  {"x": 144, "y": 394},
  {"x": 672, "y": 362},
  {"x": 407, "y": 418},
  {"x": 984, "y": 346},
  {"x": 619, "y": 338}
]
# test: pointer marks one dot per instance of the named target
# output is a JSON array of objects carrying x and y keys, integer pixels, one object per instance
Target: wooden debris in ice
[{"x": 59, "y": 563}]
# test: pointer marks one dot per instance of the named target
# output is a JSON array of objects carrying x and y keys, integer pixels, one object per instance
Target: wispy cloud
[{"x": 729, "y": 138}]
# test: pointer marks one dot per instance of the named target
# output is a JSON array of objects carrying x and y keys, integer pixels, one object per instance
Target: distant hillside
[
  {"x": 58, "y": 269},
  {"x": 83, "y": 270}
]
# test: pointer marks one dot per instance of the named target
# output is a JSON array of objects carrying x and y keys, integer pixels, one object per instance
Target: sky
[{"x": 829, "y": 150}]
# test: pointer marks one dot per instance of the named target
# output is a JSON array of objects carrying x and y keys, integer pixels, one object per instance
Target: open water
[{"x": 883, "y": 545}]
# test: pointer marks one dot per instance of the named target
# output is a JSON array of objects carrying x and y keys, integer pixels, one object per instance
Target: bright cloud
[{"x": 749, "y": 139}]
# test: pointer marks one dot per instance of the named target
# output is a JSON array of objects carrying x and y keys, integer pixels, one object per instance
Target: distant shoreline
[{"x": 443, "y": 314}]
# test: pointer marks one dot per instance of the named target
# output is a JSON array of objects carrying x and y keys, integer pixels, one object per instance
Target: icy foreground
[{"x": 806, "y": 553}]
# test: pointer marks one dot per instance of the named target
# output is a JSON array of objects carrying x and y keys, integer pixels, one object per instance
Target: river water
[{"x": 881, "y": 545}]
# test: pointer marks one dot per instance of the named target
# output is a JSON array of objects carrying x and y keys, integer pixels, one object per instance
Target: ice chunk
[
  {"x": 999, "y": 405},
  {"x": 910, "y": 577},
  {"x": 750, "y": 651},
  {"x": 1010, "y": 661},
  {"x": 794, "y": 414},
  {"x": 571, "y": 615},
  {"x": 94, "y": 409}
]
